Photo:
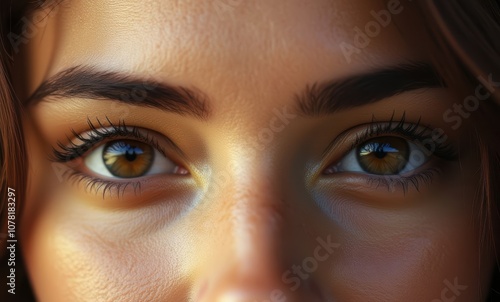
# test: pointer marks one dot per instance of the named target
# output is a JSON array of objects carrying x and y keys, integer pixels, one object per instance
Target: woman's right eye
[{"x": 125, "y": 158}]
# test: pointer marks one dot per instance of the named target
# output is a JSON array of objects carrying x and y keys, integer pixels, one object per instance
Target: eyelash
[
  {"x": 406, "y": 130},
  {"x": 95, "y": 184},
  {"x": 72, "y": 151},
  {"x": 404, "y": 182},
  {"x": 410, "y": 131},
  {"x": 96, "y": 135}
]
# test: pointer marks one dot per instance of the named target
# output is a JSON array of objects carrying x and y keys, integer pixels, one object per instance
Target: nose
[{"x": 263, "y": 241}]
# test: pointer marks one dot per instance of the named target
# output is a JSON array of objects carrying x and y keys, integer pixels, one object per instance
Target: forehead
[{"x": 225, "y": 45}]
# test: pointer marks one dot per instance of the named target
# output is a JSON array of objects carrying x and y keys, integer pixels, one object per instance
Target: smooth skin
[{"x": 254, "y": 219}]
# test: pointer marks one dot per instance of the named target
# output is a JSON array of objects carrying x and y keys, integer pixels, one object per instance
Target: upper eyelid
[
  {"x": 133, "y": 132},
  {"x": 120, "y": 130},
  {"x": 368, "y": 132},
  {"x": 374, "y": 128},
  {"x": 411, "y": 127},
  {"x": 88, "y": 145}
]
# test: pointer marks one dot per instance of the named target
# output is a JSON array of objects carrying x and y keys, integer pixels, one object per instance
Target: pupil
[
  {"x": 380, "y": 153},
  {"x": 130, "y": 156}
]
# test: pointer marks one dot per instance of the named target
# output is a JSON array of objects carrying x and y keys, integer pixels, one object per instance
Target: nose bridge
[
  {"x": 253, "y": 267},
  {"x": 260, "y": 213},
  {"x": 252, "y": 209},
  {"x": 249, "y": 192},
  {"x": 255, "y": 214}
]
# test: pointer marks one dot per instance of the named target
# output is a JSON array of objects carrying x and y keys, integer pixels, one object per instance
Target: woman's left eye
[
  {"x": 388, "y": 155},
  {"x": 126, "y": 158}
]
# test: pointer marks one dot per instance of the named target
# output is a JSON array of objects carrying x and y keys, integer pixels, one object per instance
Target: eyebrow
[
  {"x": 364, "y": 89},
  {"x": 89, "y": 83},
  {"x": 317, "y": 99}
]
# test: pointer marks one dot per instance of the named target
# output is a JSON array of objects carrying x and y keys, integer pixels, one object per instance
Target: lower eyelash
[
  {"x": 93, "y": 184},
  {"x": 392, "y": 182}
]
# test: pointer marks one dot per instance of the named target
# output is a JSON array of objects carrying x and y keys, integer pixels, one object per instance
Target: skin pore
[{"x": 263, "y": 204}]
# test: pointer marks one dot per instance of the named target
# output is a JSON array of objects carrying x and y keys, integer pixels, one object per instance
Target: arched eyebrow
[
  {"x": 317, "y": 99},
  {"x": 88, "y": 83},
  {"x": 359, "y": 90}
]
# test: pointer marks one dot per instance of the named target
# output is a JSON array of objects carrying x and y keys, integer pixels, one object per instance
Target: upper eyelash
[
  {"x": 96, "y": 135},
  {"x": 412, "y": 131}
]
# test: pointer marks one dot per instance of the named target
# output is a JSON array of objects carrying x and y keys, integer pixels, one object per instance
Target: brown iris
[
  {"x": 127, "y": 158},
  {"x": 383, "y": 155}
]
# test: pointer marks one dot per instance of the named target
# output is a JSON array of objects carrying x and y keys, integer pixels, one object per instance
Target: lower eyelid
[
  {"x": 405, "y": 183},
  {"x": 129, "y": 193},
  {"x": 95, "y": 185},
  {"x": 365, "y": 185}
]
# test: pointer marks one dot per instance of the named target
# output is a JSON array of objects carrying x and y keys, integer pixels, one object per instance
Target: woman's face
[{"x": 229, "y": 150}]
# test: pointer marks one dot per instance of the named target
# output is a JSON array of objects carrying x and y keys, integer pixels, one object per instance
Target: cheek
[
  {"x": 79, "y": 255},
  {"x": 409, "y": 248},
  {"x": 410, "y": 266}
]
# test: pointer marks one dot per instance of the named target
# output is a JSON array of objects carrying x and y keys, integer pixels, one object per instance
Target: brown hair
[
  {"x": 465, "y": 46},
  {"x": 466, "y": 49},
  {"x": 13, "y": 161}
]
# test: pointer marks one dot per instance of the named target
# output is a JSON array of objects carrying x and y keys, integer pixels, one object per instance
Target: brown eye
[
  {"x": 388, "y": 155},
  {"x": 127, "y": 158},
  {"x": 383, "y": 155}
]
